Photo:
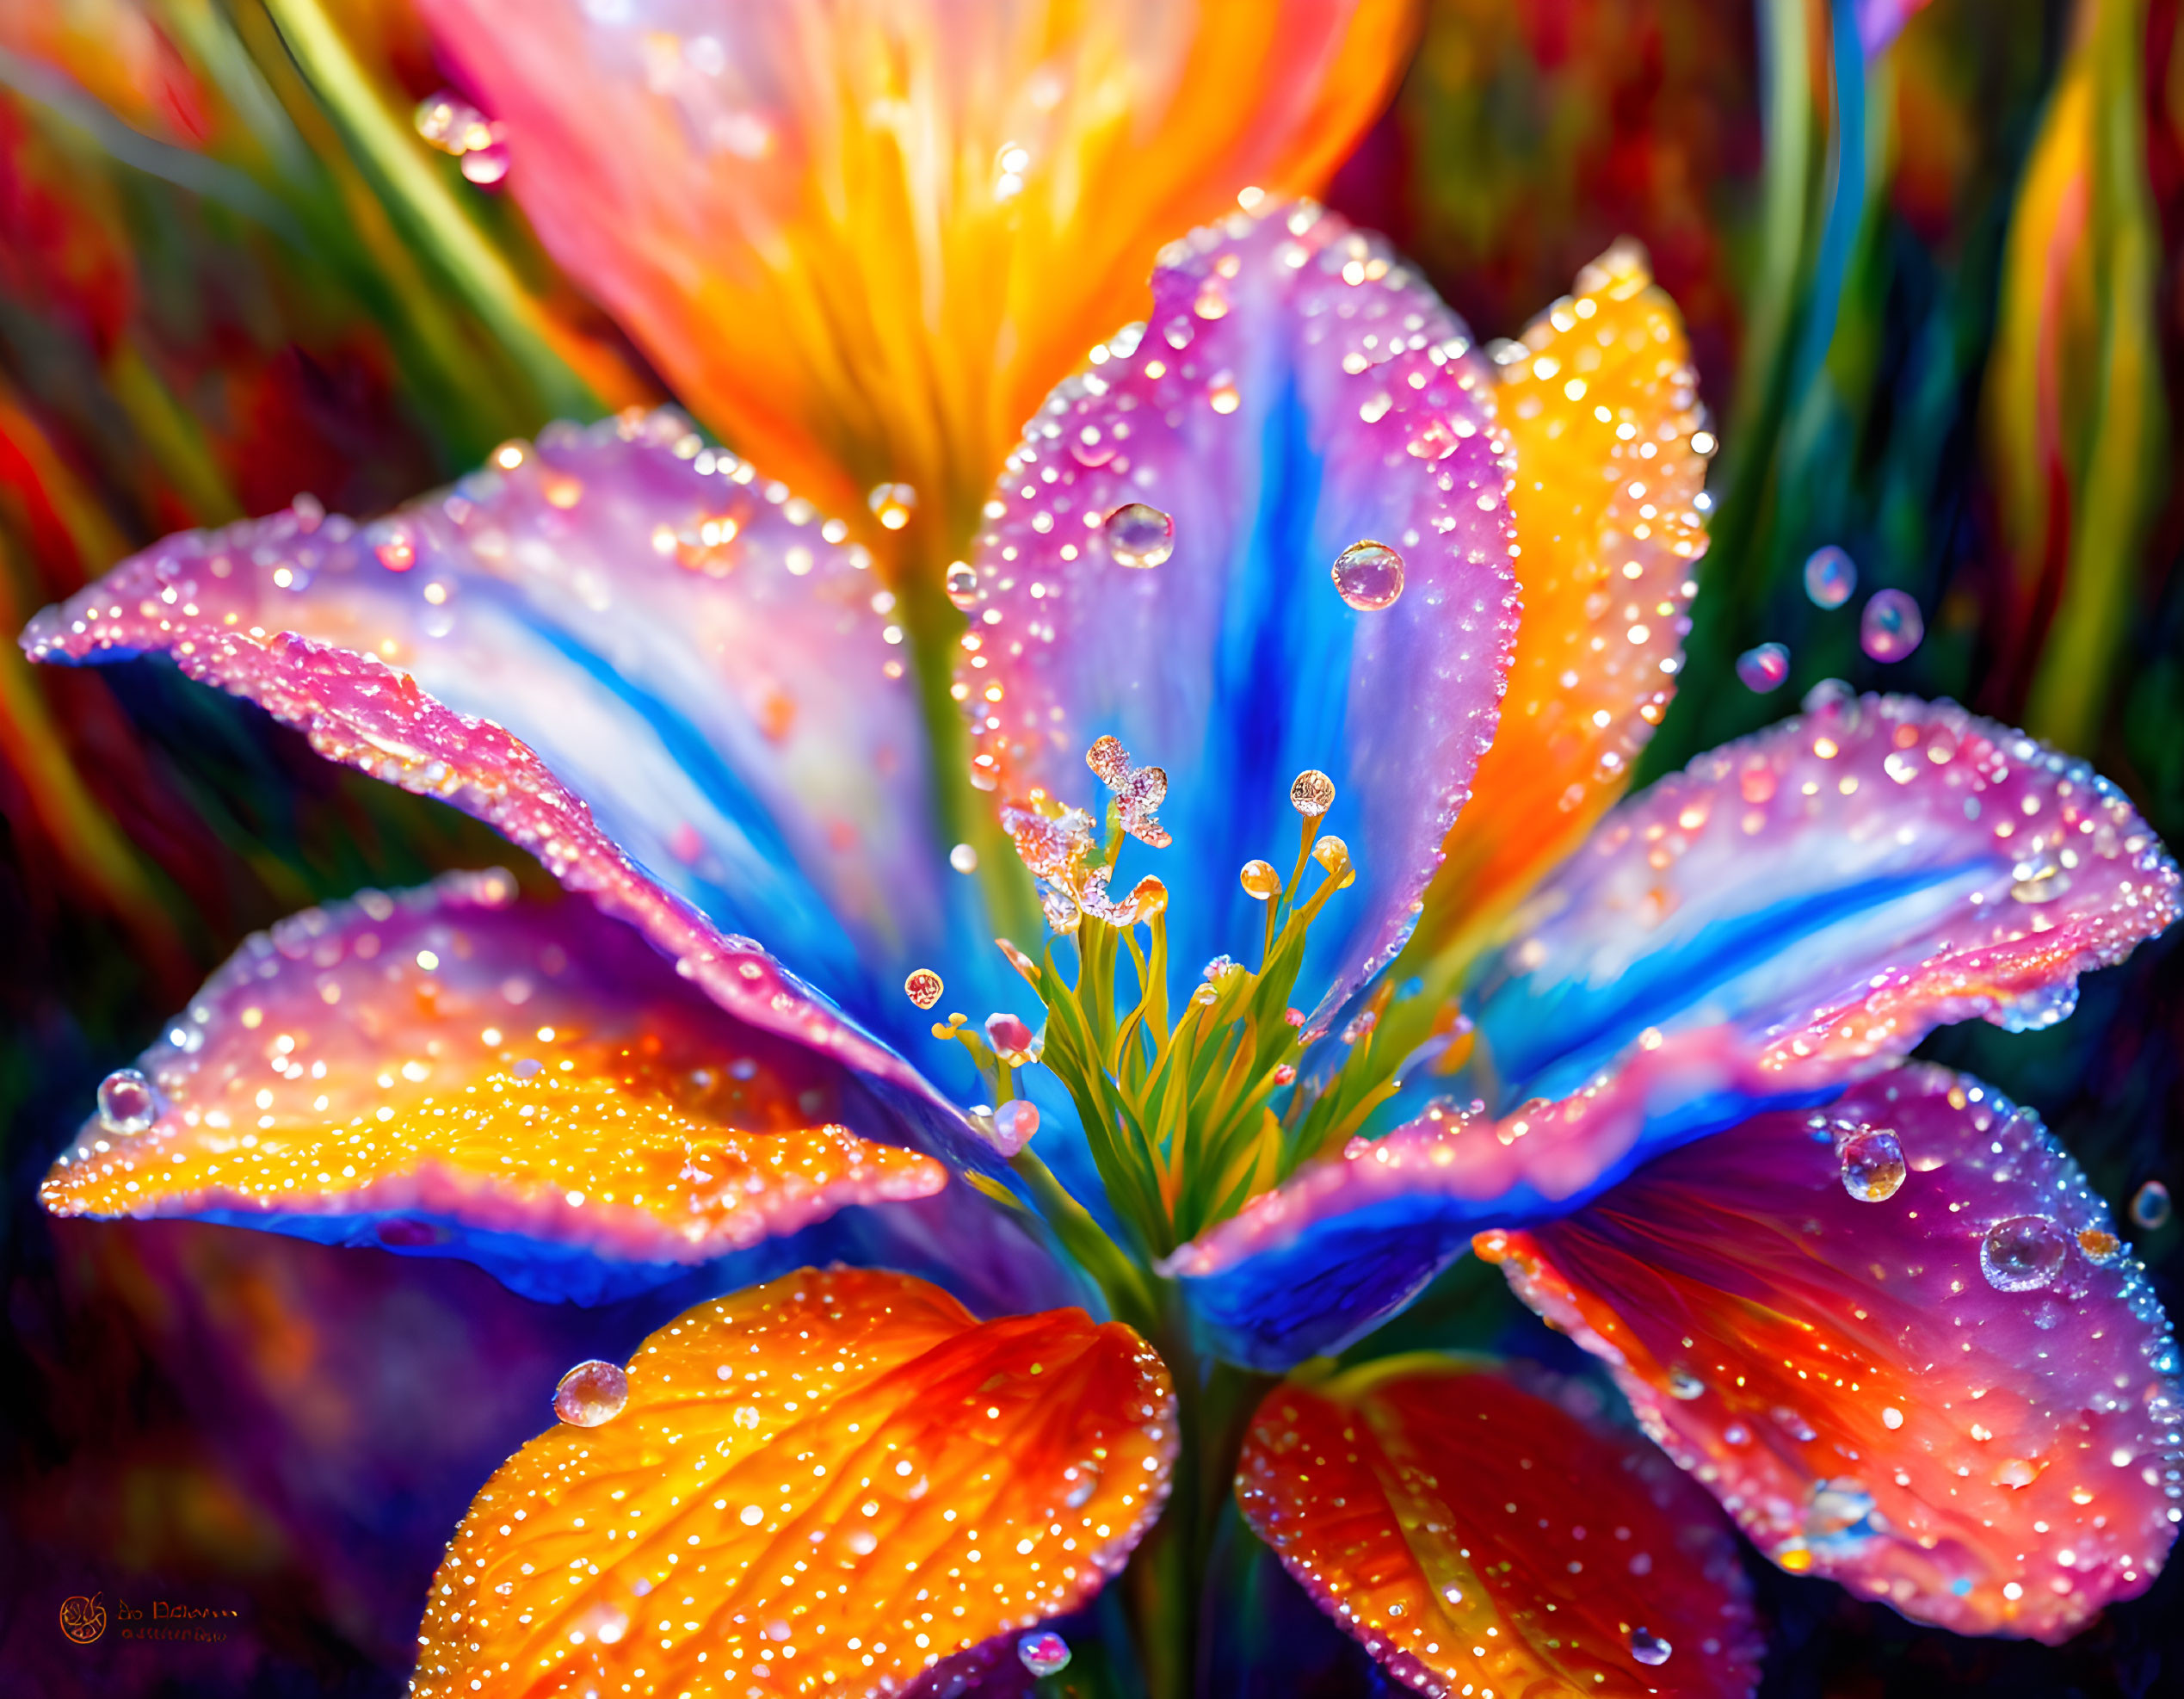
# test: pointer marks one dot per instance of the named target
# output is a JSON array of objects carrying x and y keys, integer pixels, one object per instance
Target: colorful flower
[{"x": 1291, "y": 555}]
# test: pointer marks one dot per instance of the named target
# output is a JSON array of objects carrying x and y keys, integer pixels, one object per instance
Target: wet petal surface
[
  {"x": 1901, "y": 1341},
  {"x": 1472, "y": 1533},
  {"x": 871, "y": 237},
  {"x": 830, "y": 1468},
  {"x": 631, "y": 655},
  {"x": 454, "y": 1072},
  {"x": 1296, "y": 393},
  {"x": 1600, "y": 401},
  {"x": 1834, "y": 888}
]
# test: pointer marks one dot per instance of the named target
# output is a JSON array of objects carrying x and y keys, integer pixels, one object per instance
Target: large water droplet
[
  {"x": 485, "y": 166},
  {"x": 1044, "y": 1652},
  {"x": 590, "y": 1394},
  {"x": 1311, "y": 793},
  {"x": 2149, "y": 1206},
  {"x": 1369, "y": 575},
  {"x": 963, "y": 585},
  {"x": 1260, "y": 881},
  {"x": 1683, "y": 1383},
  {"x": 1763, "y": 669},
  {"x": 1648, "y": 1648},
  {"x": 1138, "y": 535},
  {"x": 1872, "y": 1166},
  {"x": 1891, "y": 626},
  {"x": 2023, "y": 1253},
  {"x": 127, "y": 1104},
  {"x": 1830, "y": 576}
]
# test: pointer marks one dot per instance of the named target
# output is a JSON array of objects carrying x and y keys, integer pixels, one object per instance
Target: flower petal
[
  {"x": 529, "y": 1087},
  {"x": 870, "y": 237},
  {"x": 1834, "y": 888},
  {"x": 1344, "y": 1243},
  {"x": 908, "y": 1461},
  {"x": 665, "y": 638},
  {"x": 1599, "y": 400},
  {"x": 1469, "y": 1531},
  {"x": 1996, "y": 1453},
  {"x": 1299, "y": 391}
]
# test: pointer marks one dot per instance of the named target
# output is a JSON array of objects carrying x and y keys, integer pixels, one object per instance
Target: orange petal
[
  {"x": 827, "y": 1483},
  {"x": 1472, "y": 1534},
  {"x": 865, "y": 239},
  {"x": 1599, "y": 403},
  {"x": 432, "y": 1071}
]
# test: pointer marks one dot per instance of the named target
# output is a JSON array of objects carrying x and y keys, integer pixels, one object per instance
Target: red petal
[
  {"x": 841, "y": 1469},
  {"x": 1847, "y": 1380},
  {"x": 1473, "y": 1534}
]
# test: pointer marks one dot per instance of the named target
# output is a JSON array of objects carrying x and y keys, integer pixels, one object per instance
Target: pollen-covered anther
[
  {"x": 1139, "y": 790},
  {"x": 1312, "y": 794},
  {"x": 1259, "y": 881},
  {"x": 1332, "y": 854},
  {"x": 1147, "y": 899}
]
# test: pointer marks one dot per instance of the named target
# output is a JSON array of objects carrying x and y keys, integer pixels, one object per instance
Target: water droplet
[
  {"x": 963, "y": 585},
  {"x": 1312, "y": 794},
  {"x": 924, "y": 987},
  {"x": 964, "y": 858},
  {"x": 1138, "y": 535},
  {"x": 1369, "y": 575},
  {"x": 1013, "y": 1123},
  {"x": 1763, "y": 669},
  {"x": 2040, "y": 881},
  {"x": 1044, "y": 1652},
  {"x": 1683, "y": 1383},
  {"x": 1830, "y": 576},
  {"x": 1891, "y": 626},
  {"x": 1872, "y": 1166},
  {"x": 1091, "y": 447},
  {"x": 1647, "y": 1648},
  {"x": 2149, "y": 1206},
  {"x": 891, "y": 504},
  {"x": 485, "y": 166},
  {"x": 590, "y": 1394},
  {"x": 1331, "y": 853},
  {"x": 1827, "y": 694},
  {"x": 2023, "y": 1253},
  {"x": 1260, "y": 881},
  {"x": 442, "y": 117},
  {"x": 127, "y": 1104}
]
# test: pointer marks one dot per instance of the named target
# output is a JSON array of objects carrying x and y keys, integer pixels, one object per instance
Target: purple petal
[
  {"x": 1297, "y": 391},
  {"x": 1901, "y": 1341}
]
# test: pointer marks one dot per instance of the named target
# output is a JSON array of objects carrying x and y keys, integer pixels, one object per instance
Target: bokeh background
[{"x": 1929, "y": 256}]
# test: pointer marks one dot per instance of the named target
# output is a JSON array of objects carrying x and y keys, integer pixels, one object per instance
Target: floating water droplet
[
  {"x": 1648, "y": 1648},
  {"x": 127, "y": 1104},
  {"x": 1260, "y": 881},
  {"x": 590, "y": 1394},
  {"x": 1368, "y": 576},
  {"x": 1138, "y": 535},
  {"x": 1044, "y": 1652},
  {"x": 1892, "y": 627},
  {"x": 1763, "y": 669},
  {"x": 2149, "y": 1206},
  {"x": 1830, "y": 576},
  {"x": 486, "y": 166},
  {"x": 924, "y": 987},
  {"x": 964, "y": 858},
  {"x": 1827, "y": 694},
  {"x": 963, "y": 585},
  {"x": 1683, "y": 1383},
  {"x": 2023, "y": 1253},
  {"x": 1872, "y": 1166},
  {"x": 1013, "y": 1123},
  {"x": 1311, "y": 793},
  {"x": 1177, "y": 333}
]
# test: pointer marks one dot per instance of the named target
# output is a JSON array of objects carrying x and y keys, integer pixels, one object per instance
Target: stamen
[{"x": 1260, "y": 881}]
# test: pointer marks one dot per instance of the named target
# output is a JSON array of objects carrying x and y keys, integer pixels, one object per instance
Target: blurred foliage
[{"x": 1934, "y": 290}]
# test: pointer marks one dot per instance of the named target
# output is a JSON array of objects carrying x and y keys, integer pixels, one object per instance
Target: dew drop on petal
[
  {"x": 1872, "y": 1166},
  {"x": 1830, "y": 576},
  {"x": 1260, "y": 881},
  {"x": 1044, "y": 1653},
  {"x": 924, "y": 987},
  {"x": 963, "y": 585},
  {"x": 1648, "y": 1648},
  {"x": 1683, "y": 1383},
  {"x": 1368, "y": 576},
  {"x": 1312, "y": 794},
  {"x": 1891, "y": 626},
  {"x": 2023, "y": 1253},
  {"x": 1763, "y": 669},
  {"x": 125, "y": 1102},
  {"x": 1138, "y": 535},
  {"x": 592, "y": 1392},
  {"x": 2149, "y": 1206},
  {"x": 485, "y": 166}
]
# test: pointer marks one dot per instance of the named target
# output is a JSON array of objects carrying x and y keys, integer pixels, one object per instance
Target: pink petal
[
  {"x": 1297, "y": 391},
  {"x": 1993, "y": 1454}
]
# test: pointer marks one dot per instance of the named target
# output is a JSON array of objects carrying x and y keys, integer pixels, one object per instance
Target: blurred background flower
[{"x": 1928, "y": 255}]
